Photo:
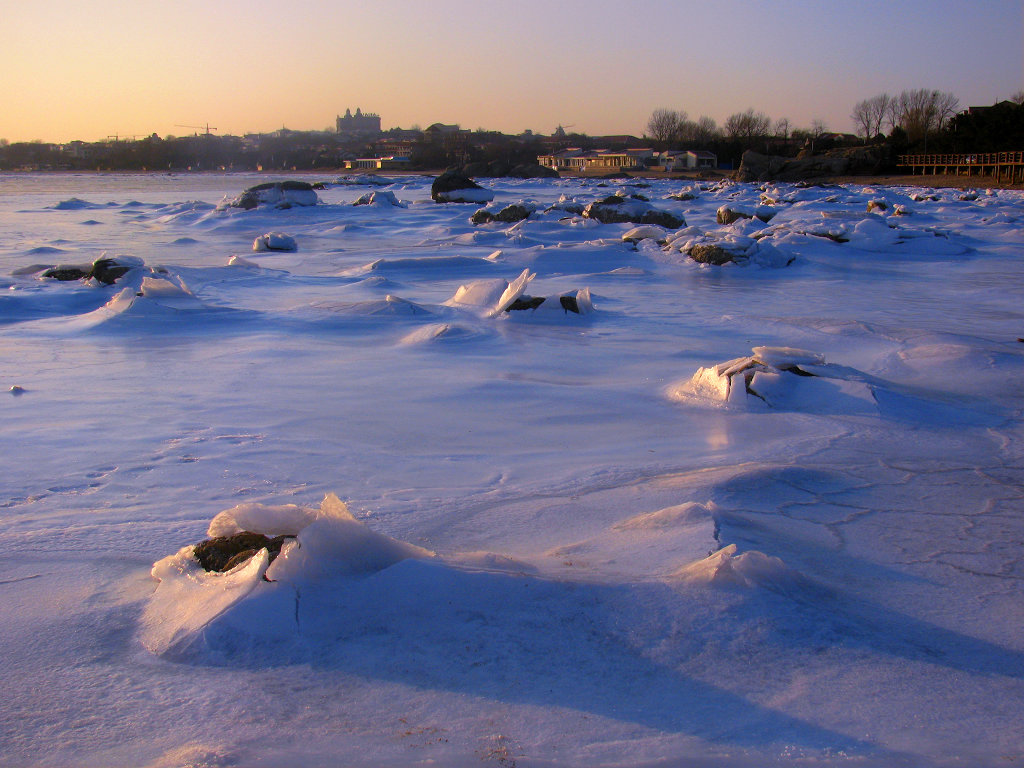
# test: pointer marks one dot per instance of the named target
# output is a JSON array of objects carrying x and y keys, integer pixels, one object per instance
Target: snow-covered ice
[{"x": 761, "y": 513}]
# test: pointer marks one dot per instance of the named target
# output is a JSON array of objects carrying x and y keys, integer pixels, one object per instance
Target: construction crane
[{"x": 206, "y": 129}]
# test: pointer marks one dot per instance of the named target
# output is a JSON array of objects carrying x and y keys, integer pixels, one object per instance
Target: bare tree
[
  {"x": 747, "y": 126},
  {"x": 666, "y": 125},
  {"x": 1018, "y": 97},
  {"x": 922, "y": 112},
  {"x": 782, "y": 128},
  {"x": 705, "y": 130},
  {"x": 868, "y": 115}
]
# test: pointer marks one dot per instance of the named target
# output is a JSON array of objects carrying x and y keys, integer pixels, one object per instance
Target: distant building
[
  {"x": 690, "y": 160},
  {"x": 358, "y": 124},
  {"x": 575, "y": 159},
  {"x": 378, "y": 163}
]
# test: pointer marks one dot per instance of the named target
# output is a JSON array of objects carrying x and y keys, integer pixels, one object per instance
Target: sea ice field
[{"x": 768, "y": 512}]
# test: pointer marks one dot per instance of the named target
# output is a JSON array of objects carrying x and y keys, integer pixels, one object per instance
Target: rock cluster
[
  {"x": 508, "y": 214},
  {"x": 837, "y": 162},
  {"x": 105, "y": 270},
  {"x": 618, "y": 209}
]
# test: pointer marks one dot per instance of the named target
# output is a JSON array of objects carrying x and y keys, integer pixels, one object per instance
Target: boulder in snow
[
  {"x": 280, "y": 194},
  {"x": 618, "y": 209},
  {"x": 453, "y": 187}
]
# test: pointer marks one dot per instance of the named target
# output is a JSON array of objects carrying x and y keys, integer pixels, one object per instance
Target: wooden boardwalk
[{"x": 1002, "y": 166}]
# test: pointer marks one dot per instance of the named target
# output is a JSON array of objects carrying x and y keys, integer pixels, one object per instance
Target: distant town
[{"x": 670, "y": 143}]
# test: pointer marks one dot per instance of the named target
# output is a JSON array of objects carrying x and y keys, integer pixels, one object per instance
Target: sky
[{"x": 75, "y": 70}]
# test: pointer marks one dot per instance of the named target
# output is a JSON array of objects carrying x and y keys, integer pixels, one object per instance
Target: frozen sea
[{"x": 540, "y": 538}]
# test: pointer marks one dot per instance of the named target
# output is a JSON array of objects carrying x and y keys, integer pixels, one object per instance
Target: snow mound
[
  {"x": 274, "y": 241},
  {"x": 330, "y": 544},
  {"x": 379, "y": 199},
  {"x": 726, "y": 568}
]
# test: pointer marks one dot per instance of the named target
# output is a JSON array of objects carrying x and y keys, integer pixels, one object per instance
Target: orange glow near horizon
[{"x": 133, "y": 68}]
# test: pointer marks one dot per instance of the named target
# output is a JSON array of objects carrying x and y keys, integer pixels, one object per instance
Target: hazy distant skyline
[{"x": 86, "y": 71}]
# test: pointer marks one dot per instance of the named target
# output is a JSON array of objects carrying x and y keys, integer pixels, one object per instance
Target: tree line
[{"x": 913, "y": 120}]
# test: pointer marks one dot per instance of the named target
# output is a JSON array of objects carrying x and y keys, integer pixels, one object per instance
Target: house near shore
[
  {"x": 688, "y": 160},
  {"x": 582, "y": 160},
  {"x": 393, "y": 163}
]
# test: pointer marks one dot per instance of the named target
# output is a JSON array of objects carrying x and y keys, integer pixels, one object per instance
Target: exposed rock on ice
[
  {"x": 508, "y": 213},
  {"x": 619, "y": 209},
  {"x": 274, "y": 241},
  {"x": 223, "y": 553},
  {"x": 727, "y": 214},
  {"x": 280, "y": 194},
  {"x": 329, "y": 544},
  {"x": 106, "y": 270},
  {"x": 452, "y": 187}
]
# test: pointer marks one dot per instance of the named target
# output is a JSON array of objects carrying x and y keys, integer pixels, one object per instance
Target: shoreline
[{"x": 936, "y": 181}]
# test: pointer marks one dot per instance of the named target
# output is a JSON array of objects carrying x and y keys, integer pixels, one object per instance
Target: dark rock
[
  {"x": 525, "y": 302},
  {"x": 617, "y": 209},
  {"x": 661, "y": 218},
  {"x": 476, "y": 169},
  {"x": 727, "y": 215},
  {"x": 509, "y": 214},
  {"x": 282, "y": 194},
  {"x": 533, "y": 171},
  {"x": 569, "y": 304},
  {"x": 66, "y": 273},
  {"x": 711, "y": 254},
  {"x": 837, "y": 162},
  {"x": 448, "y": 186},
  {"x": 497, "y": 169},
  {"x": 107, "y": 271},
  {"x": 225, "y": 552}
]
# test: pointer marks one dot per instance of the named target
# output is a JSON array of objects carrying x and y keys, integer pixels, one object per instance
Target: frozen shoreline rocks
[
  {"x": 279, "y": 194},
  {"x": 630, "y": 210},
  {"x": 453, "y": 187},
  {"x": 508, "y": 214},
  {"x": 312, "y": 545},
  {"x": 106, "y": 270}
]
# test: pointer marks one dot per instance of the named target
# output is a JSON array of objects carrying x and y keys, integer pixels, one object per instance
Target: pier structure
[{"x": 1002, "y": 166}]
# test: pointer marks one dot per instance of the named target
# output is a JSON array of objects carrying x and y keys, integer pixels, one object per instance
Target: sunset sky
[{"x": 75, "y": 70}]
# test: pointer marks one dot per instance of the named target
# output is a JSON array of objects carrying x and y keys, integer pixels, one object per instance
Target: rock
[
  {"x": 223, "y": 553},
  {"x": 533, "y": 171},
  {"x": 708, "y": 253},
  {"x": 514, "y": 212},
  {"x": 837, "y": 162},
  {"x": 454, "y": 187},
  {"x": 67, "y": 273},
  {"x": 617, "y": 209},
  {"x": 727, "y": 214},
  {"x": 877, "y": 205},
  {"x": 281, "y": 194},
  {"x": 497, "y": 168},
  {"x": 476, "y": 169},
  {"x": 105, "y": 269},
  {"x": 508, "y": 214}
]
